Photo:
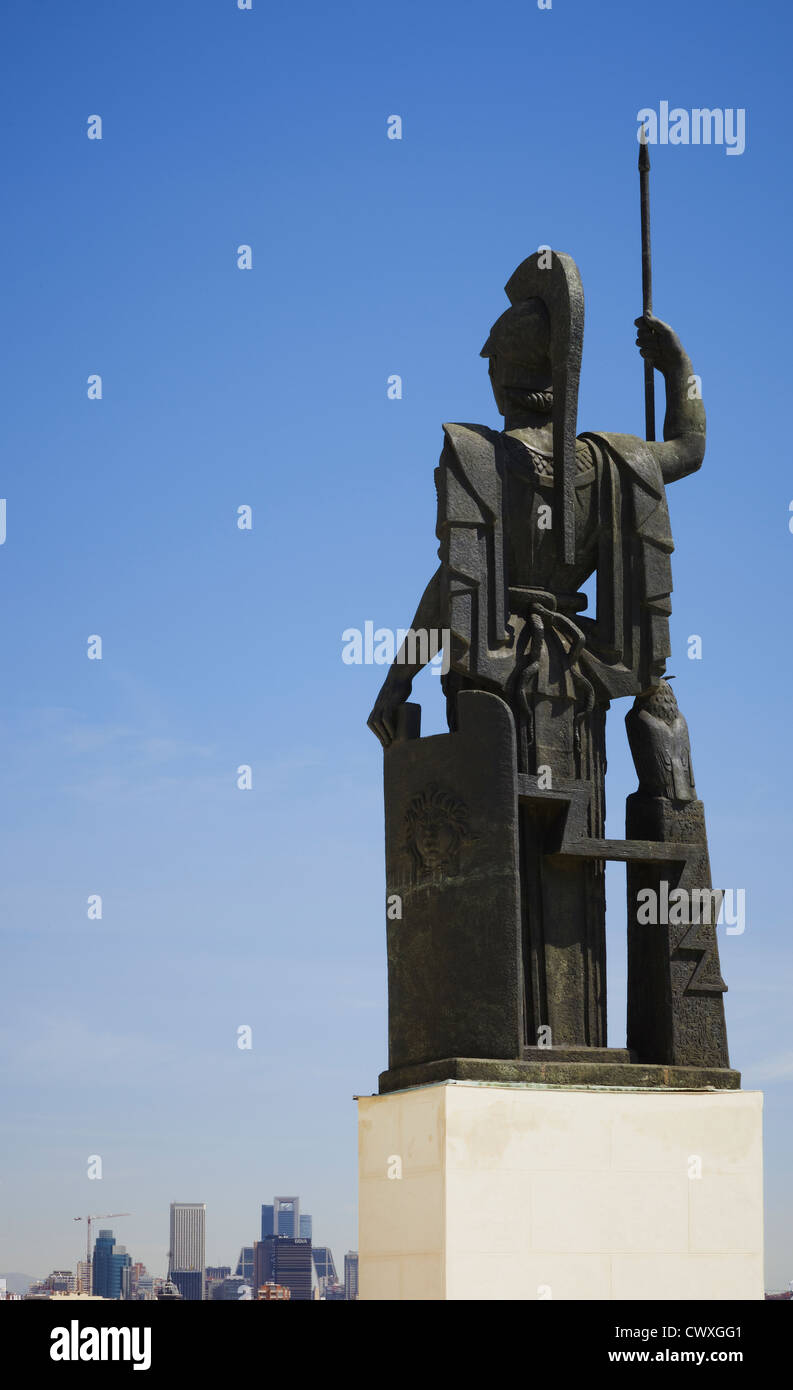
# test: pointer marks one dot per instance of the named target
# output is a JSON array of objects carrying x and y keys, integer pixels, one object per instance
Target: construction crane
[{"x": 97, "y": 1216}]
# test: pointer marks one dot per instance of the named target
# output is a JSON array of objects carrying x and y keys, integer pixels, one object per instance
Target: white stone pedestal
[{"x": 485, "y": 1191}]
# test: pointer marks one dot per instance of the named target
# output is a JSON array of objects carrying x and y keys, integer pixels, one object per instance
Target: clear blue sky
[{"x": 221, "y": 647}]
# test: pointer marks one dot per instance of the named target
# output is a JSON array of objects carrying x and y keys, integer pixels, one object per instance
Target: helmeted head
[
  {"x": 519, "y": 352},
  {"x": 535, "y": 361}
]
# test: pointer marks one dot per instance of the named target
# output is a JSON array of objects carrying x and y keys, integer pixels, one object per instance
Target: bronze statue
[{"x": 526, "y": 515}]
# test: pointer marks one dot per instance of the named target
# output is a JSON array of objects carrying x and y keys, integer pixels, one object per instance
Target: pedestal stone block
[{"x": 487, "y": 1191}]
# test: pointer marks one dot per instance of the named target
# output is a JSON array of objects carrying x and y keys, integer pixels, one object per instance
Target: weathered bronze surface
[{"x": 495, "y": 844}]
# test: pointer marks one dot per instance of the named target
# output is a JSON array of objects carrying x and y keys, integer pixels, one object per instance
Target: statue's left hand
[{"x": 658, "y": 343}]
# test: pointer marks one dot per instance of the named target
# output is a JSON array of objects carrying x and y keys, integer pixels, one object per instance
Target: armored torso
[{"x": 531, "y": 539}]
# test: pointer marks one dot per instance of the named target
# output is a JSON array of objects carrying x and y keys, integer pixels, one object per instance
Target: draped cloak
[{"x": 557, "y": 669}]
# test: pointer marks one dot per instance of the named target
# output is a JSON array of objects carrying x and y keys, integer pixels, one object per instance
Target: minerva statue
[{"x": 495, "y": 832}]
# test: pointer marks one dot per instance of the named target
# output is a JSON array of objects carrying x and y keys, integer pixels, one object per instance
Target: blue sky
[{"x": 224, "y": 387}]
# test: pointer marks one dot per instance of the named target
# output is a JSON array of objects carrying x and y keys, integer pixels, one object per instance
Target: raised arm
[
  {"x": 399, "y": 682},
  {"x": 683, "y": 448}
]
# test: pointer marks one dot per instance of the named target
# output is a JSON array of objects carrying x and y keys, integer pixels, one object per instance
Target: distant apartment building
[
  {"x": 351, "y": 1274},
  {"x": 187, "y": 1250},
  {"x": 213, "y": 1276},
  {"x": 233, "y": 1289},
  {"x": 141, "y": 1282},
  {"x": 59, "y": 1296},
  {"x": 332, "y": 1293},
  {"x": 60, "y": 1281}
]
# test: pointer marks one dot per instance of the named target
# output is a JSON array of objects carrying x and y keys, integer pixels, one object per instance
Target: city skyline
[
  {"x": 159, "y": 1263},
  {"x": 286, "y": 1262},
  {"x": 187, "y": 1251}
]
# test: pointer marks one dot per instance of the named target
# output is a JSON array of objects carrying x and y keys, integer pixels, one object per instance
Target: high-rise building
[
  {"x": 323, "y": 1262},
  {"x": 305, "y": 1227},
  {"x": 351, "y": 1274},
  {"x": 108, "y": 1263},
  {"x": 286, "y": 1217},
  {"x": 283, "y": 1260},
  {"x": 268, "y": 1221},
  {"x": 262, "y": 1263},
  {"x": 328, "y": 1286},
  {"x": 245, "y": 1263},
  {"x": 187, "y": 1248}
]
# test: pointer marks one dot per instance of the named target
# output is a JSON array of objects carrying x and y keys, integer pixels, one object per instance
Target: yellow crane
[{"x": 97, "y": 1216}]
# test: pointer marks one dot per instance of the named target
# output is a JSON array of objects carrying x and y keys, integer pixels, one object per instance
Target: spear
[{"x": 647, "y": 276}]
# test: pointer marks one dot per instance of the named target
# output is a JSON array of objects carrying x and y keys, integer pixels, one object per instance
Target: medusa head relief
[{"x": 436, "y": 826}]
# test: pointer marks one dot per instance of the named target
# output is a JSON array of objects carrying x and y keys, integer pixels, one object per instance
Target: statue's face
[
  {"x": 519, "y": 346},
  {"x": 436, "y": 825},
  {"x": 435, "y": 839},
  {"x": 513, "y": 382}
]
